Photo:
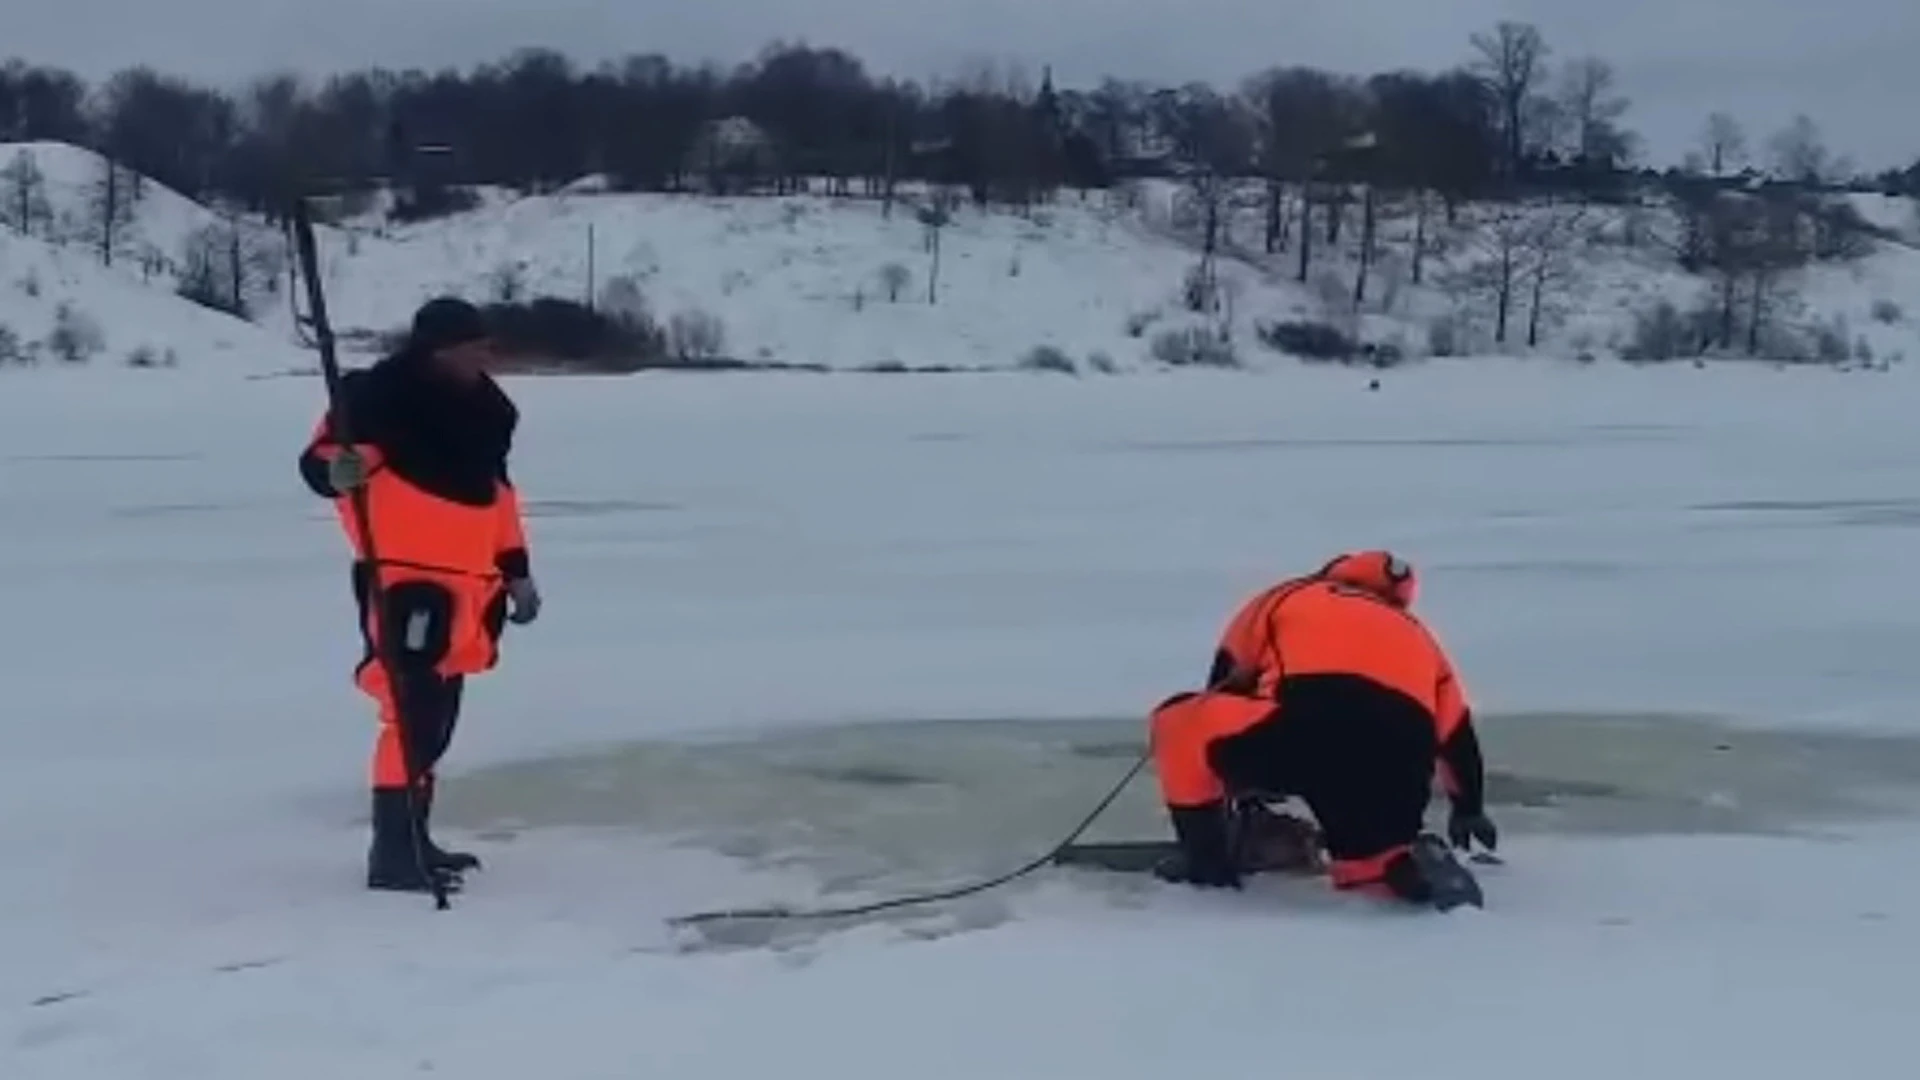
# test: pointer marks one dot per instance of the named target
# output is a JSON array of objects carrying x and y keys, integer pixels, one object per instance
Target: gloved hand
[
  {"x": 1464, "y": 828},
  {"x": 523, "y": 600},
  {"x": 348, "y": 470}
]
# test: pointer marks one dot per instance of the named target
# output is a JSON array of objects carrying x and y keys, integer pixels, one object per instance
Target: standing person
[
  {"x": 434, "y": 433},
  {"x": 1329, "y": 688}
]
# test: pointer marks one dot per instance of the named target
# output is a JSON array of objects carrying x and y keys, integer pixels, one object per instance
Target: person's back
[{"x": 1335, "y": 641}]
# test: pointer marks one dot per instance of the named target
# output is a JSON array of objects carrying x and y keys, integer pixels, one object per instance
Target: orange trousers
[{"x": 442, "y": 627}]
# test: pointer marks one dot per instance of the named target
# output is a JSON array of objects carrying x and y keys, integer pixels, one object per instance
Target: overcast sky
[{"x": 1853, "y": 65}]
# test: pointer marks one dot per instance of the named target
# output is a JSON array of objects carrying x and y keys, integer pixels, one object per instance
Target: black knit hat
[{"x": 446, "y": 322}]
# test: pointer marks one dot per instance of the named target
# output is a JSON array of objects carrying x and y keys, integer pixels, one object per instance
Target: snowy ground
[{"x": 182, "y": 764}]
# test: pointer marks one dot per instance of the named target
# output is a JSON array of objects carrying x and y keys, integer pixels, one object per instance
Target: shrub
[
  {"x": 508, "y": 283},
  {"x": 1443, "y": 338},
  {"x": 1194, "y": 346},
  {"x": 695, "y": 336},
  {"x": 1664, "y": 333},
  {"x": 426, "y": 203},
  {"x": 10, "y": 349},
  {"x": 1139, "y": 321},
  {"x": 75, "y": 338},
  {"x": 621, "y": 298},
  {"x": 549, "y": 330},
  {"x": 1200, "y": 290},
  {"x": 1886, "y": 311},
  {"x": 1831, "y": 342},
  {"x": 1048, "y": 358},
  {"x": 1102, "y": 363},
  {"x": 895, "y": 278},
  {"x": 1309, "y": 340}
]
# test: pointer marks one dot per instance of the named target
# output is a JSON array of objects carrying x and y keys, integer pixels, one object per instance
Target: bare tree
[
  {"x": 1772, "y": 250},
  {"x": 1512, "y": 60},
  {"x": 1550, "y": 247},
  {"x": 224, "y": 264},
  {"x": 1799, "y": 152},
  {"x": 110, "y": 207},
  {"x": 1498, "y": 247},
  {"x": 1724, "y": 142},
  {"x": 23, "y": 195},
  {"x": 935, "y": 219},
  {"x": 1592, "y": 105},
  {"x": 1304, "y": 115}
]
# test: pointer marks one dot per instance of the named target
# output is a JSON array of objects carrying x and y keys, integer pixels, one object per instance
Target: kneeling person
[{"x": 1330, "y": 689}]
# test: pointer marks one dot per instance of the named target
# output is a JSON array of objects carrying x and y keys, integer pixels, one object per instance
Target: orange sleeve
[{"x": 321, "y": 449}]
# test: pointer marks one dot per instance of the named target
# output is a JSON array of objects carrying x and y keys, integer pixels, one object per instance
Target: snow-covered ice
[{"x": 183, "y": 757}]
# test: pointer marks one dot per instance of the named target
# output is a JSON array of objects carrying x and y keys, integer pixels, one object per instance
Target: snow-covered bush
[
  {"x": 696, "y": 336},
  {"x": 621, "y": 298},
  {"x": 76, "y": 338},
  {"x": 146, "y": 356},
  {"x": 1832, "y": 344},
  {"x": 1102, "y": 362},
  {"x": 1886, "y": 311},
  {"x": 1048, "y": 358},
  {"x": 1663, "y": 332},
  {"x": 1194, "y": 346},
  {"x": 11, "y": 351},
  {"x": 895, "y": 278}
]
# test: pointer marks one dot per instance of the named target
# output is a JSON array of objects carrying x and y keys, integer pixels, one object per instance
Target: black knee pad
[{"x": 419, "y": 622}]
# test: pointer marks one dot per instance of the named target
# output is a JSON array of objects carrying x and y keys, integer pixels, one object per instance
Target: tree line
[{"x": 1508, "y": 116}]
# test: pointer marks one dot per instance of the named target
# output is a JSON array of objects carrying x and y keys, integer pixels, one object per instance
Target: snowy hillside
[
  {"x": 1107, "y": 279},
  {"x": 59, "y": 305},
  {"x": 1100, "y": 276},
  {"x": 127, "y": 310}
]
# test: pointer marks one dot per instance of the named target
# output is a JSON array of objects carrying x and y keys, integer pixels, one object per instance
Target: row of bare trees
[{"x": 1508, "y": 114}]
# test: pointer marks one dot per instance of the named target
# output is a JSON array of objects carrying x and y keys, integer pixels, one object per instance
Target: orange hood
[{"x": 1379, "y": 572}]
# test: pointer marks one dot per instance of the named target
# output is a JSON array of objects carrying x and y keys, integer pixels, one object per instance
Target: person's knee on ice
[
  {"x": 1184, "y": 733},
  {"x": 432, "y": 434}
]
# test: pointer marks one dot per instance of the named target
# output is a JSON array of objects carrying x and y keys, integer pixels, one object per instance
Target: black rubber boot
[
  {"x": 393, "y": 860},
  {"x": 1206, "y": 856},
  {"x": 458, "y": 862},
  {"x": 1428, "y": 874}
]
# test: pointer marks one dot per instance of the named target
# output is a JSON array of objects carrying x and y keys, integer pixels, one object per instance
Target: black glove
[
  {"x": 523, "y": 599},
  {"x": 1463, "y": 828}
]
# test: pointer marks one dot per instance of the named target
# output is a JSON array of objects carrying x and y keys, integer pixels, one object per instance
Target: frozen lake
[{"x": 811, "y": 638}]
